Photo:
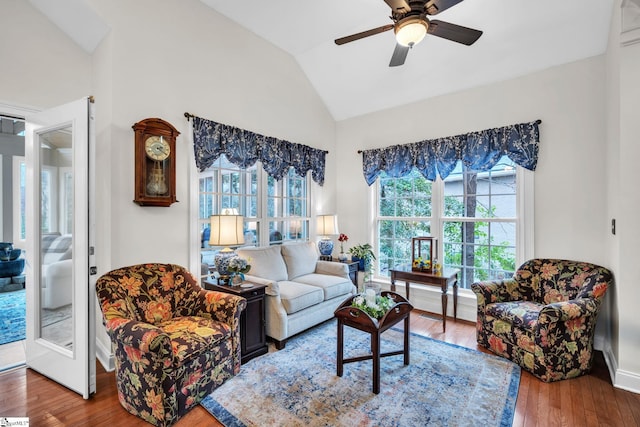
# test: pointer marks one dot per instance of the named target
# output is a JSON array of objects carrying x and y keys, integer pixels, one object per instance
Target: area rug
[
  {"x": 13, "y": 315},
  {"x": 444, "y": 385}
]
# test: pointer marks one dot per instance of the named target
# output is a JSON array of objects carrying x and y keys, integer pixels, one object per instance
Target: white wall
[
  {"x": 41, "y": 66},
  {"x": 187, "y": 58},
  {"x": 570, "y": 220}
]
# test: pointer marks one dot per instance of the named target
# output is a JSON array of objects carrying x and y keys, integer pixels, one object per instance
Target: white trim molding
[{"x": 630, "y": 25}]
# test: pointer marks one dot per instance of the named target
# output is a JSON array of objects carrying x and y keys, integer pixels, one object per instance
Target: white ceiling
[{"x": 520, "y": 37}]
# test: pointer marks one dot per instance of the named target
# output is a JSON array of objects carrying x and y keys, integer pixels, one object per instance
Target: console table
[
  {"x": 442, "y": 280},
  {"x": 253, "y": 335}
]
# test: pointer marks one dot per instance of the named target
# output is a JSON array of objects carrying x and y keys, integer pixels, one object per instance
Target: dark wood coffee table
[{"x": 358, "y": 319}]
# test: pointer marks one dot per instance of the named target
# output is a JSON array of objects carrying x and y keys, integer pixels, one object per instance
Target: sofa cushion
[
  {"x": 332, "y": 286},
  {"x": 54, "y": 248},
  {"x": 300, "y": 258},
  {"x": 298, "y": 296},
  {"x": 266, "y": 262}
]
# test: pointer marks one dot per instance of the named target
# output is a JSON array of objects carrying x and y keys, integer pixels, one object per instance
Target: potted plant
[{"x": 364, "y": 255}]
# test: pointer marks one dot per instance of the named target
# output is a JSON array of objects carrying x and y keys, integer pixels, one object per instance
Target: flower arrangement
[
  {"x": 374, "y": 306},
  {"x": 239, "y": 266},
  {"x": 342, "y": 238},
  {"x": 421, "y": 264}
]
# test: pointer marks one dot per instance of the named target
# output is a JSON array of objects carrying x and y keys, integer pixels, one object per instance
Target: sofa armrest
[
  {"x": 272, "y": 287},
  {"x": 333, "y": 268},
  {"x": 58, "y": 269}
]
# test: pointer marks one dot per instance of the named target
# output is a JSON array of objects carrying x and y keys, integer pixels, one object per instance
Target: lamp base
[
  {"x": 325, "y": 246},
  {"x": 222, "y": 259}
]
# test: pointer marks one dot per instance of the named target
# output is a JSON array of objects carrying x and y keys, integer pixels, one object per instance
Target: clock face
[{"x": 157, "y": 148}]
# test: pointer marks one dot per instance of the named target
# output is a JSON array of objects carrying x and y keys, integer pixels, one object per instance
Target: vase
[
  {"x": 342, "y": 256},
  {"x": 325, "y": 246},
  {"x": 236, "y": 280}
]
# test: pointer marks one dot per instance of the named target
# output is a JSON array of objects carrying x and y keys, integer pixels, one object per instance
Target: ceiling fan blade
[
  {"x": 364, "y": 34},
  {"x": 453, "y": 32},
  {"x": 399, "y": 6},
  {"x": 433, "y": 7},
  {"x": 399, "y": 55}
]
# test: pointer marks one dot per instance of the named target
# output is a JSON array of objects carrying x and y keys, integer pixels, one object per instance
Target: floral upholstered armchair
[
  {"x": 543, "y": 318},
  {"x": 174, "y": 342}
]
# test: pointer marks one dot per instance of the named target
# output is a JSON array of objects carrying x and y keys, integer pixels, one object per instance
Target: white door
[{"x": 59, "y": 228}]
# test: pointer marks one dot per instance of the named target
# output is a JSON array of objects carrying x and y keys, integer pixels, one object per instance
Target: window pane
[
  {"x": 279, "y": 209},
  {"x": 478, "y": 234}
]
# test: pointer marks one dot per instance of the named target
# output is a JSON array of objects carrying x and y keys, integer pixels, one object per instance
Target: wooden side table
[
  {"x": 358, "y": 319},
  {"x": 353, "y": 270},
  {"x": 253, "y": 334},
  {"x": 442, "y": 280}
]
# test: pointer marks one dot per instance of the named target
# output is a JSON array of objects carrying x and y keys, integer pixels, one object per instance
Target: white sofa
[
  {"x": 301, "y": 292},
  {"x": 57, "y": 270}
]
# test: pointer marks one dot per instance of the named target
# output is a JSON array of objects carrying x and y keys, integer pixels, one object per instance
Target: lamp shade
[
  {"x": 226, "y": 230},
  {"x": 327, "y": 225},
  {"x": 410, "y": 31}
]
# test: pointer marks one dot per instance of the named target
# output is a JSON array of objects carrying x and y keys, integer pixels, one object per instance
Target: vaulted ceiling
[{"x": 519, "y": 37}]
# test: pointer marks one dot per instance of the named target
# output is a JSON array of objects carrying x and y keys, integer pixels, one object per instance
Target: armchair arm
[
  {"x": 220, "y": 306},
  {"x": 333, "y": 269},
  {"x": 142, "y": 337},
  {"x": 568, "y": 310},
  {"x": 495, "y": 291}
]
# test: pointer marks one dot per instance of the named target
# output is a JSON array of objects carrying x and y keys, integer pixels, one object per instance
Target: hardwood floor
[{"x": 590, "y": 400}]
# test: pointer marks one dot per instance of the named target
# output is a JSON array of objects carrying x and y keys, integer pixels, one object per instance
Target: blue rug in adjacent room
[
  {"x": 12, "y": 316},
  {"x": 444, "y": 385}
]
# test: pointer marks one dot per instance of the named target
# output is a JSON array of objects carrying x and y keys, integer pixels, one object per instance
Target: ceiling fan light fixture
[{"x": 411, "y": 30}]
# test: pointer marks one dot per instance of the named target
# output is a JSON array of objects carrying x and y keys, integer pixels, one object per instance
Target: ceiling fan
[{"x": 410, "y": 25}]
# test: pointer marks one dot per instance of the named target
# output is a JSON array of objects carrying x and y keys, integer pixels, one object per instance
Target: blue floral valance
[
  {"x": 243, "y": 148},
  {"x": 479, "y": 151}
]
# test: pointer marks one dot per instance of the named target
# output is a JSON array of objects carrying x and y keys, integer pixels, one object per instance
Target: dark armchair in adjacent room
[
  {"x": 543, "y": 318},
  {"x": 174, "y": 342}
]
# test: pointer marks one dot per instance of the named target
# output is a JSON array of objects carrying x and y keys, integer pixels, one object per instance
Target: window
[
  {"x": 287, "y": 207},
  {"x": 472, "y": 214},
  {"x": 479, "y": 222},
  {"x": 274, "y": 211},
  {"x": 404, "y": 212}
]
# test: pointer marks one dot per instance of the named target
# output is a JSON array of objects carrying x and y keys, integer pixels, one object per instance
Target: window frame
[
  {"x": 262, "y": 220},
  {"x": 524, "y": 220}
]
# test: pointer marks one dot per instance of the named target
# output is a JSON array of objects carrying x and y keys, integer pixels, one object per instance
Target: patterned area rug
[
  {"x": 444, "y": 385},
  {"x": 13, "y": 314}
]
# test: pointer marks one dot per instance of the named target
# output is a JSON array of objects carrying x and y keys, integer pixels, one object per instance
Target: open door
[{"x": 59, "y": 147}]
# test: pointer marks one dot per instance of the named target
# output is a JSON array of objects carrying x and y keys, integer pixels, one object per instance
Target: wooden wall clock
[{"x": 155, "y": 157}]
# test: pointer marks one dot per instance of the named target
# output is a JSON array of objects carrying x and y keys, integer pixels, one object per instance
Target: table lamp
[
  {"x": 227, "y": 230},
  {"x": 327, "y": 225}
]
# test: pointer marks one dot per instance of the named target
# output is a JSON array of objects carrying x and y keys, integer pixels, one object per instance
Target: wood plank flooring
[{"x": 590, "y": 400}]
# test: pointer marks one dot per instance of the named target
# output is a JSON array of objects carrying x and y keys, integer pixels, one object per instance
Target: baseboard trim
[
  {"x": 105, "y": 357},
  {"x": 626, "y": 380}
]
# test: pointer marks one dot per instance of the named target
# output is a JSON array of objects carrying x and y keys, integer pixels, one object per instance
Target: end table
[{"x": 252, "y": 320}]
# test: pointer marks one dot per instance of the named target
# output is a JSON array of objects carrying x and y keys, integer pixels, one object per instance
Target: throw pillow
[
  {"x": 266, "y": 262},
  {"x": 301, "y": 258}
]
